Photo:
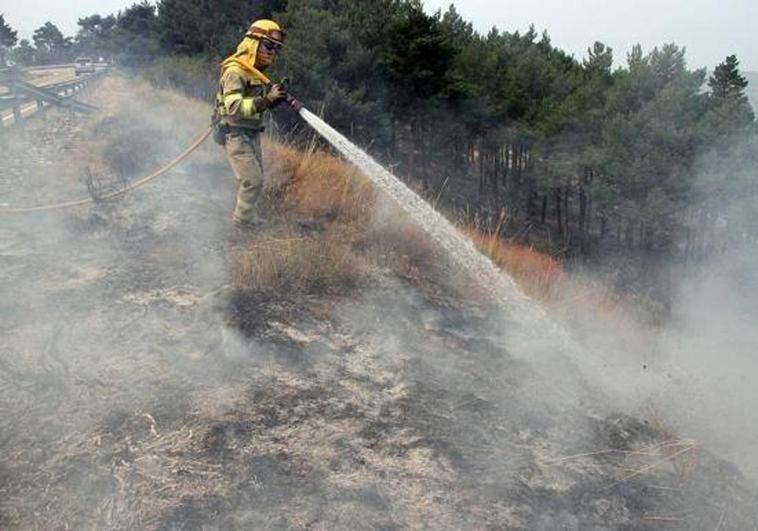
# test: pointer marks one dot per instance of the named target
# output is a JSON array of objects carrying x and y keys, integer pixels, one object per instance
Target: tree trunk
[
  {"x": 393, "y": 140},
  {"x": 582, "y": 222},
  {"x": 567, "y": 227},
  {"x": 480, "y": 153},
  {"x": 530, "y": 193},
  {"x": 507, "y": 159},
  {"x": 495, "y": 178},
  {"x": 543, "y": 215},
  {"x": 424, "y": 157},
  {"x": 519, "y": 167}
]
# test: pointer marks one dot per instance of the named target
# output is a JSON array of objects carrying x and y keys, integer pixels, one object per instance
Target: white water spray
[
  {"x": 528, "y": 331},
  {"x": 444, "y": 233}
]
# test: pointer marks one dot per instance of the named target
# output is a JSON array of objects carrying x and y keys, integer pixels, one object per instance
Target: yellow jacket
[{"x": 241, "y": 100}]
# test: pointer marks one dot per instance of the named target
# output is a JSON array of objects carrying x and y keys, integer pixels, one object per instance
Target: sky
[
  {"x": 709, "y": 29},
  {"x": 27, "y": 15}
]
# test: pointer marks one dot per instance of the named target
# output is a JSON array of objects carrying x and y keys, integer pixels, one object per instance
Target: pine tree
[
  {"x": 135, "y": 34},
  {"x": 726, "y": 81},
  {"x": 50, "y": 43},
  {"x": 209, "y": 26},
  {"x": 8, "y": 38},
  {"x": 24, "y": 53},
  {"x": 730, "y": 110},
  {"x": 599, "y": 59},
  {"x": 95, "y": 35}
]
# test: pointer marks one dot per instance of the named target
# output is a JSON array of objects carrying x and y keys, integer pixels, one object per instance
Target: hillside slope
[{"x": 160, "y": 371}]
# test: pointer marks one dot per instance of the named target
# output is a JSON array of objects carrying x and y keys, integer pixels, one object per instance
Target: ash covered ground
[{"x": 139, "y": 390}]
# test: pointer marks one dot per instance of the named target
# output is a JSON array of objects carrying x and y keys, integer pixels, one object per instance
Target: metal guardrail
[
  {"x": 23, "y": 93},
  {"x": 40, "y": 68}
]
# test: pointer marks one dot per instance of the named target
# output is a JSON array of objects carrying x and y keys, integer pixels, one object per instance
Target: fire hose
[
  {"x": 131, "y": 186},
  {"x": 196, "y": 143}
]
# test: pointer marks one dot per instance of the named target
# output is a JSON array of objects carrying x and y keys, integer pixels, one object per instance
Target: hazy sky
[
  {"x": 27, "y": 15},
  {"x": 710, "y": 29}
]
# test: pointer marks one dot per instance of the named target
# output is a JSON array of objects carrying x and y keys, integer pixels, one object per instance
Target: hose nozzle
[
  {"x": 290, "y": 99},
  {"x": 294, "y": 103}
]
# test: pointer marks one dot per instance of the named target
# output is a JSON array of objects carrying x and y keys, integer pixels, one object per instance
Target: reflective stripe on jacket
[{"x": 240, "y": 100}]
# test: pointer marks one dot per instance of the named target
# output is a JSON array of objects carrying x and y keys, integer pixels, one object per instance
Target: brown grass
[
  {"x": 350, "y": 242},
  {"x": 290, "y": 262},
  {"x": 313, "y": 188},
  {"x": 316, "y": 185},
  {"x": 543, "y": 277},
  {"x": 539, "y": 275},
  {"x": 359, "y": 229},
  {"x": 360, "y": 233}
]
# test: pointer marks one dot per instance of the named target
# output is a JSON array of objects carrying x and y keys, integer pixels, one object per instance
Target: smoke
[
  {"x": 111, "y": 318},
  {"x": 130, "y": 398},
  {"x": 711, "y": 350},
  {"x": 637, "y": 368},
  {"x": 694, "y": 373}
]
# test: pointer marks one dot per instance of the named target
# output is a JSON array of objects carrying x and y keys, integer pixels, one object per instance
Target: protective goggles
[
  {"x": 270, "y": 46},
  {"x": 275, "y": 36}
]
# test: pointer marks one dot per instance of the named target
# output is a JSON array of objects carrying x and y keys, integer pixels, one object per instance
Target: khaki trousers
[{"x": 243, "y": 150}]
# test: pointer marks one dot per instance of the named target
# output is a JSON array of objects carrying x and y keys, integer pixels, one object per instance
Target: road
[
  {"x": 40, "y": 78},
  {"x": 43, "y": 78}
]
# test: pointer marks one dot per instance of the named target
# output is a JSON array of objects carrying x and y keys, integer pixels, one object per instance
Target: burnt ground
[{"x": 139, "y": 391}]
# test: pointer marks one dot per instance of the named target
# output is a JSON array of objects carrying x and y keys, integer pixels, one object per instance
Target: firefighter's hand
[{"x": 276, "y": 95}]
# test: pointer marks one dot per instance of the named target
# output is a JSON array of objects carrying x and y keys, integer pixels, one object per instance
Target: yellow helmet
[{"x": 267, "y": 29}]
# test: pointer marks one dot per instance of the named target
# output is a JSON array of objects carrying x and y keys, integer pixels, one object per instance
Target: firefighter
[{"x": 244, "y": 94}]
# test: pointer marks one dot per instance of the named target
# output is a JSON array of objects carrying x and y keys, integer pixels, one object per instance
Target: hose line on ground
[{"x": 133, "y": 185}]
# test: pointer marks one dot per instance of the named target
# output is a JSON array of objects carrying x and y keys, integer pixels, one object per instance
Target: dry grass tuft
[
  {"x": 356, "y": 228},
  {"x": 295, "y": 263},
  {"x": 316, "y": 185}
]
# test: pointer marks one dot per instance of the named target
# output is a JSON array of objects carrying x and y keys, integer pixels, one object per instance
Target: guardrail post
[{"x": 17, "y": 107}]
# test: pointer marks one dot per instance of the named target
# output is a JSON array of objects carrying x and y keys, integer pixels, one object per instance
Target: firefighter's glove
[{"x": 276, "y": 95}]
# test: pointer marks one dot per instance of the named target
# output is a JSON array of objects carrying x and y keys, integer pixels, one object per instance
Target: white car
[{"x": 84, "y": 65}]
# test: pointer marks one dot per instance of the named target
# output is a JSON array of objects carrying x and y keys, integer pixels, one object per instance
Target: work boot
[{"x": 250, "y": 224}]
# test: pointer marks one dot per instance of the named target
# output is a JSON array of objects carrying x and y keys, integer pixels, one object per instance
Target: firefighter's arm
[{"x": 238, "y": 105}]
